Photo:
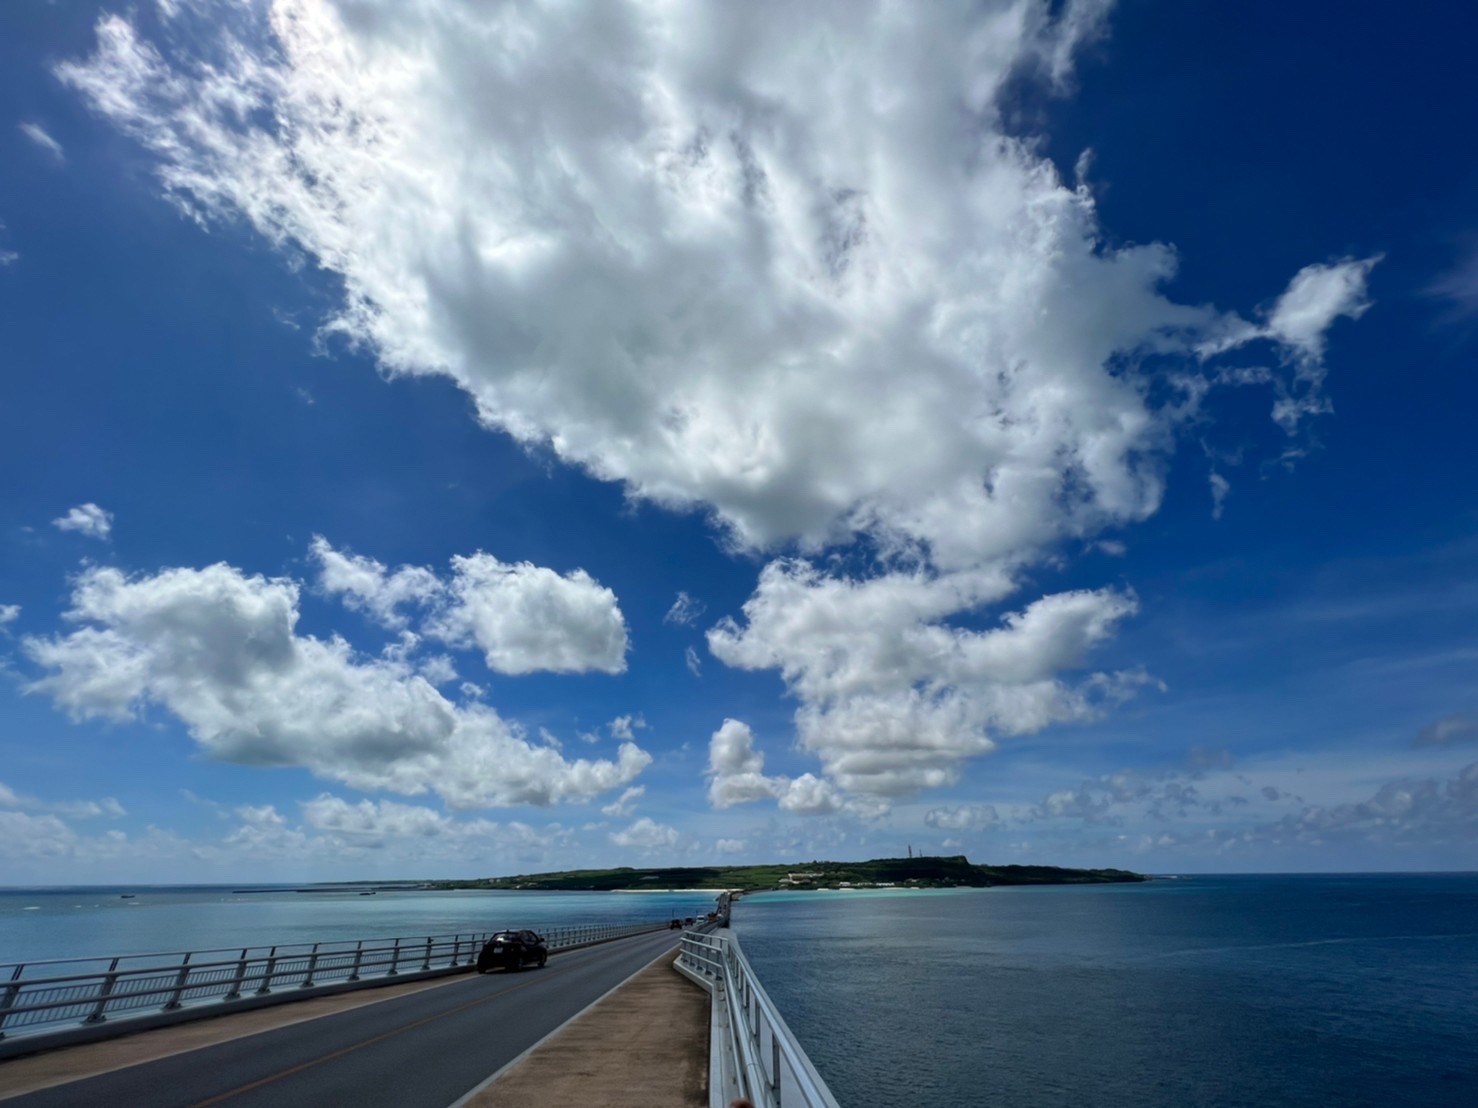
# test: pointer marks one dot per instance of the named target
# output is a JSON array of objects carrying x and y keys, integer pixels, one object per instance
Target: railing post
[
  {"x": 267, "y": 976},
  {"x": 12, "y": 990},
  {"x": 775, "y": 1066},
  {"x": 394, "y": 970},
  {"x": 108, "y": 982},
  {"x": 426, "y": 965},
  {"x": 358, "y": 960},
  {"x": 179, "y": 985},
  {"x": 457, "y": 952},
  {"x": 235, "y": 993},
  {"x": 312, "y": 965}
]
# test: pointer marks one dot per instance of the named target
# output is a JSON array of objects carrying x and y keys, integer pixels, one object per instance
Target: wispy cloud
[
  {"x": 1220, "y": 488},
  {"x": 1448, "y": 731},
  {"x": 684, "y": 610},
  {"x": 38, "y": 134},
  {"x": 1458, "y": 286}
]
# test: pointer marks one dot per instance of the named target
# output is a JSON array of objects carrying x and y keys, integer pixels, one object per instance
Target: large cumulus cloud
[{"x": 781, "y": 263}]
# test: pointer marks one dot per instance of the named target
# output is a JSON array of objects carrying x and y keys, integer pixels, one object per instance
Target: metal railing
[
  {"x": 754, "y": 1054},
  {"x": 37, "y": 997}
]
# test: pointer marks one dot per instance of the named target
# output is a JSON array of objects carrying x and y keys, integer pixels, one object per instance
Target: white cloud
[
  {"x": 809, "y": 795},
  {"x": 28, "y": 836},
  {"x": 1298, "y": 323},
  {"x": 626, "y": 804},
  {"x": 219, "y": 650},
  {"x": 735, "y": 768},
  {"x": 894, "y": 699},
  {"x": 524, "y": 618},
  {"x": 692, "y": 661},
  {"x": 706, "y": 258},
  {"x": 9, "y": 613},
  {"x": 367, "y": 585},
  {"x": 646, "y": 834},
  {"x": 383, "y": 820},
  {"x": 736, "y": 776},
  {"x": 685, "y": 610},
  {"x": 1220, "y": 489},
  {"x": 438, "y": 669},
  {"x": 966, "y": 817},
  {"x": 730, "y": 846},
  {"x": 1314, "y": 299},
  {"x": 86, "y": 519},
  {"x": 71, "y": 809},
  {"x": 624, "y": 727},
  {"x": 37, "y": 134},
  {"x": 698, "y": 268}
]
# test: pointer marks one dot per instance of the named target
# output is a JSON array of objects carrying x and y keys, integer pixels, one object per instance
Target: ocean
[
  {"x": 1247, "y": 990},
  {"x": 1227, "y": 990},
  {"x": 40, "y": 924}
]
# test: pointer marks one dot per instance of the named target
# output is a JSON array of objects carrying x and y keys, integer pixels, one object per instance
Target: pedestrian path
[{"x": 644, "y": 1045}]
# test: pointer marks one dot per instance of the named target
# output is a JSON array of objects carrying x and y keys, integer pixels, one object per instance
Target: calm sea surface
[
  {"x": 1320, "y": 990},
  {"x": 83, "y": 922},
  {"x": 1288, "y": 990}
]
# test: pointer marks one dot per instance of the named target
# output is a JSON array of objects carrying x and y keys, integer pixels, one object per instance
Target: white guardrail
[
  {"x": 53, "y": 999},
  {"x": 751, "y": 1053}
]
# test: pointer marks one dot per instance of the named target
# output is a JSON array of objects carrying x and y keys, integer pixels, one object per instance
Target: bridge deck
[{"x": 410, "y": 1047}]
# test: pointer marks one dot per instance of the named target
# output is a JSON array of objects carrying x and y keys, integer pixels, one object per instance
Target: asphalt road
[{"x": 424, "y": 1050}]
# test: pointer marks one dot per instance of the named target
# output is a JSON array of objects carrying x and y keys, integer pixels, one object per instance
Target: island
[{"x": 955, "y": 871}]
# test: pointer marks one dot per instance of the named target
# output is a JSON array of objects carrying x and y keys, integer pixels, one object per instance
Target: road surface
[{"x": 424, "y": 1050}]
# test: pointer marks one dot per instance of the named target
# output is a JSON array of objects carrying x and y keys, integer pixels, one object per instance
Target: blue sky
[{"x": 462, "y": 440}]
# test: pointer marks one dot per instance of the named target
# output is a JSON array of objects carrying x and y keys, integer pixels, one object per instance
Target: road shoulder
[{"x": 645, "y": 1045}]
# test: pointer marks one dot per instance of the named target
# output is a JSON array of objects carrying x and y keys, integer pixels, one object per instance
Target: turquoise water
[
  {"x": 1286, "y": 990},
  {"x": 86, "y": 922}
]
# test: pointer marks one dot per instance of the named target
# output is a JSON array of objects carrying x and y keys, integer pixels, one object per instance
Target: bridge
[{"x": 613, "y": 1017}]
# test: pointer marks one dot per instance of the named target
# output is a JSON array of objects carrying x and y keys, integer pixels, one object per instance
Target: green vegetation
[{"x": 923, "y": 873}]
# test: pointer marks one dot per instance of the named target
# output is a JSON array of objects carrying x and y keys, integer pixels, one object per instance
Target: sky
[{"x": 461, "y": 438}]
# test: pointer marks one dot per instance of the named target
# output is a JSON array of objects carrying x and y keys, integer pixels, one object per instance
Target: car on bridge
[{"x": 512, "y": 950}]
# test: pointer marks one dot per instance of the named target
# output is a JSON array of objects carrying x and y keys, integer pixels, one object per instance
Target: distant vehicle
[
  {"x": 675, "y": 925},
  {"x": 512, "y": 950}
]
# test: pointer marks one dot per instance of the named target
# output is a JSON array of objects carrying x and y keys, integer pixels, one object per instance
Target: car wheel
[{"x": 542, "y": 959}]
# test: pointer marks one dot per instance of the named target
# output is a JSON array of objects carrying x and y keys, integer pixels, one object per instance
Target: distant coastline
[{"x": 951, "y": 872}]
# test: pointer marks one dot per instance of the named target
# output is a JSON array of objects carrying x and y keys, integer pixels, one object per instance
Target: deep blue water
[
  {"x": 1244, "y": 990},
  {"x": 37, "y": 924}
]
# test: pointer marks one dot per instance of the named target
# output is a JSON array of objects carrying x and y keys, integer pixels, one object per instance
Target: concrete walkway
[{"x": 643, "y": 1046}]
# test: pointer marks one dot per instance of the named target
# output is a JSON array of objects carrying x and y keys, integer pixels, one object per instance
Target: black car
[{"x": 512, "y": 950}]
